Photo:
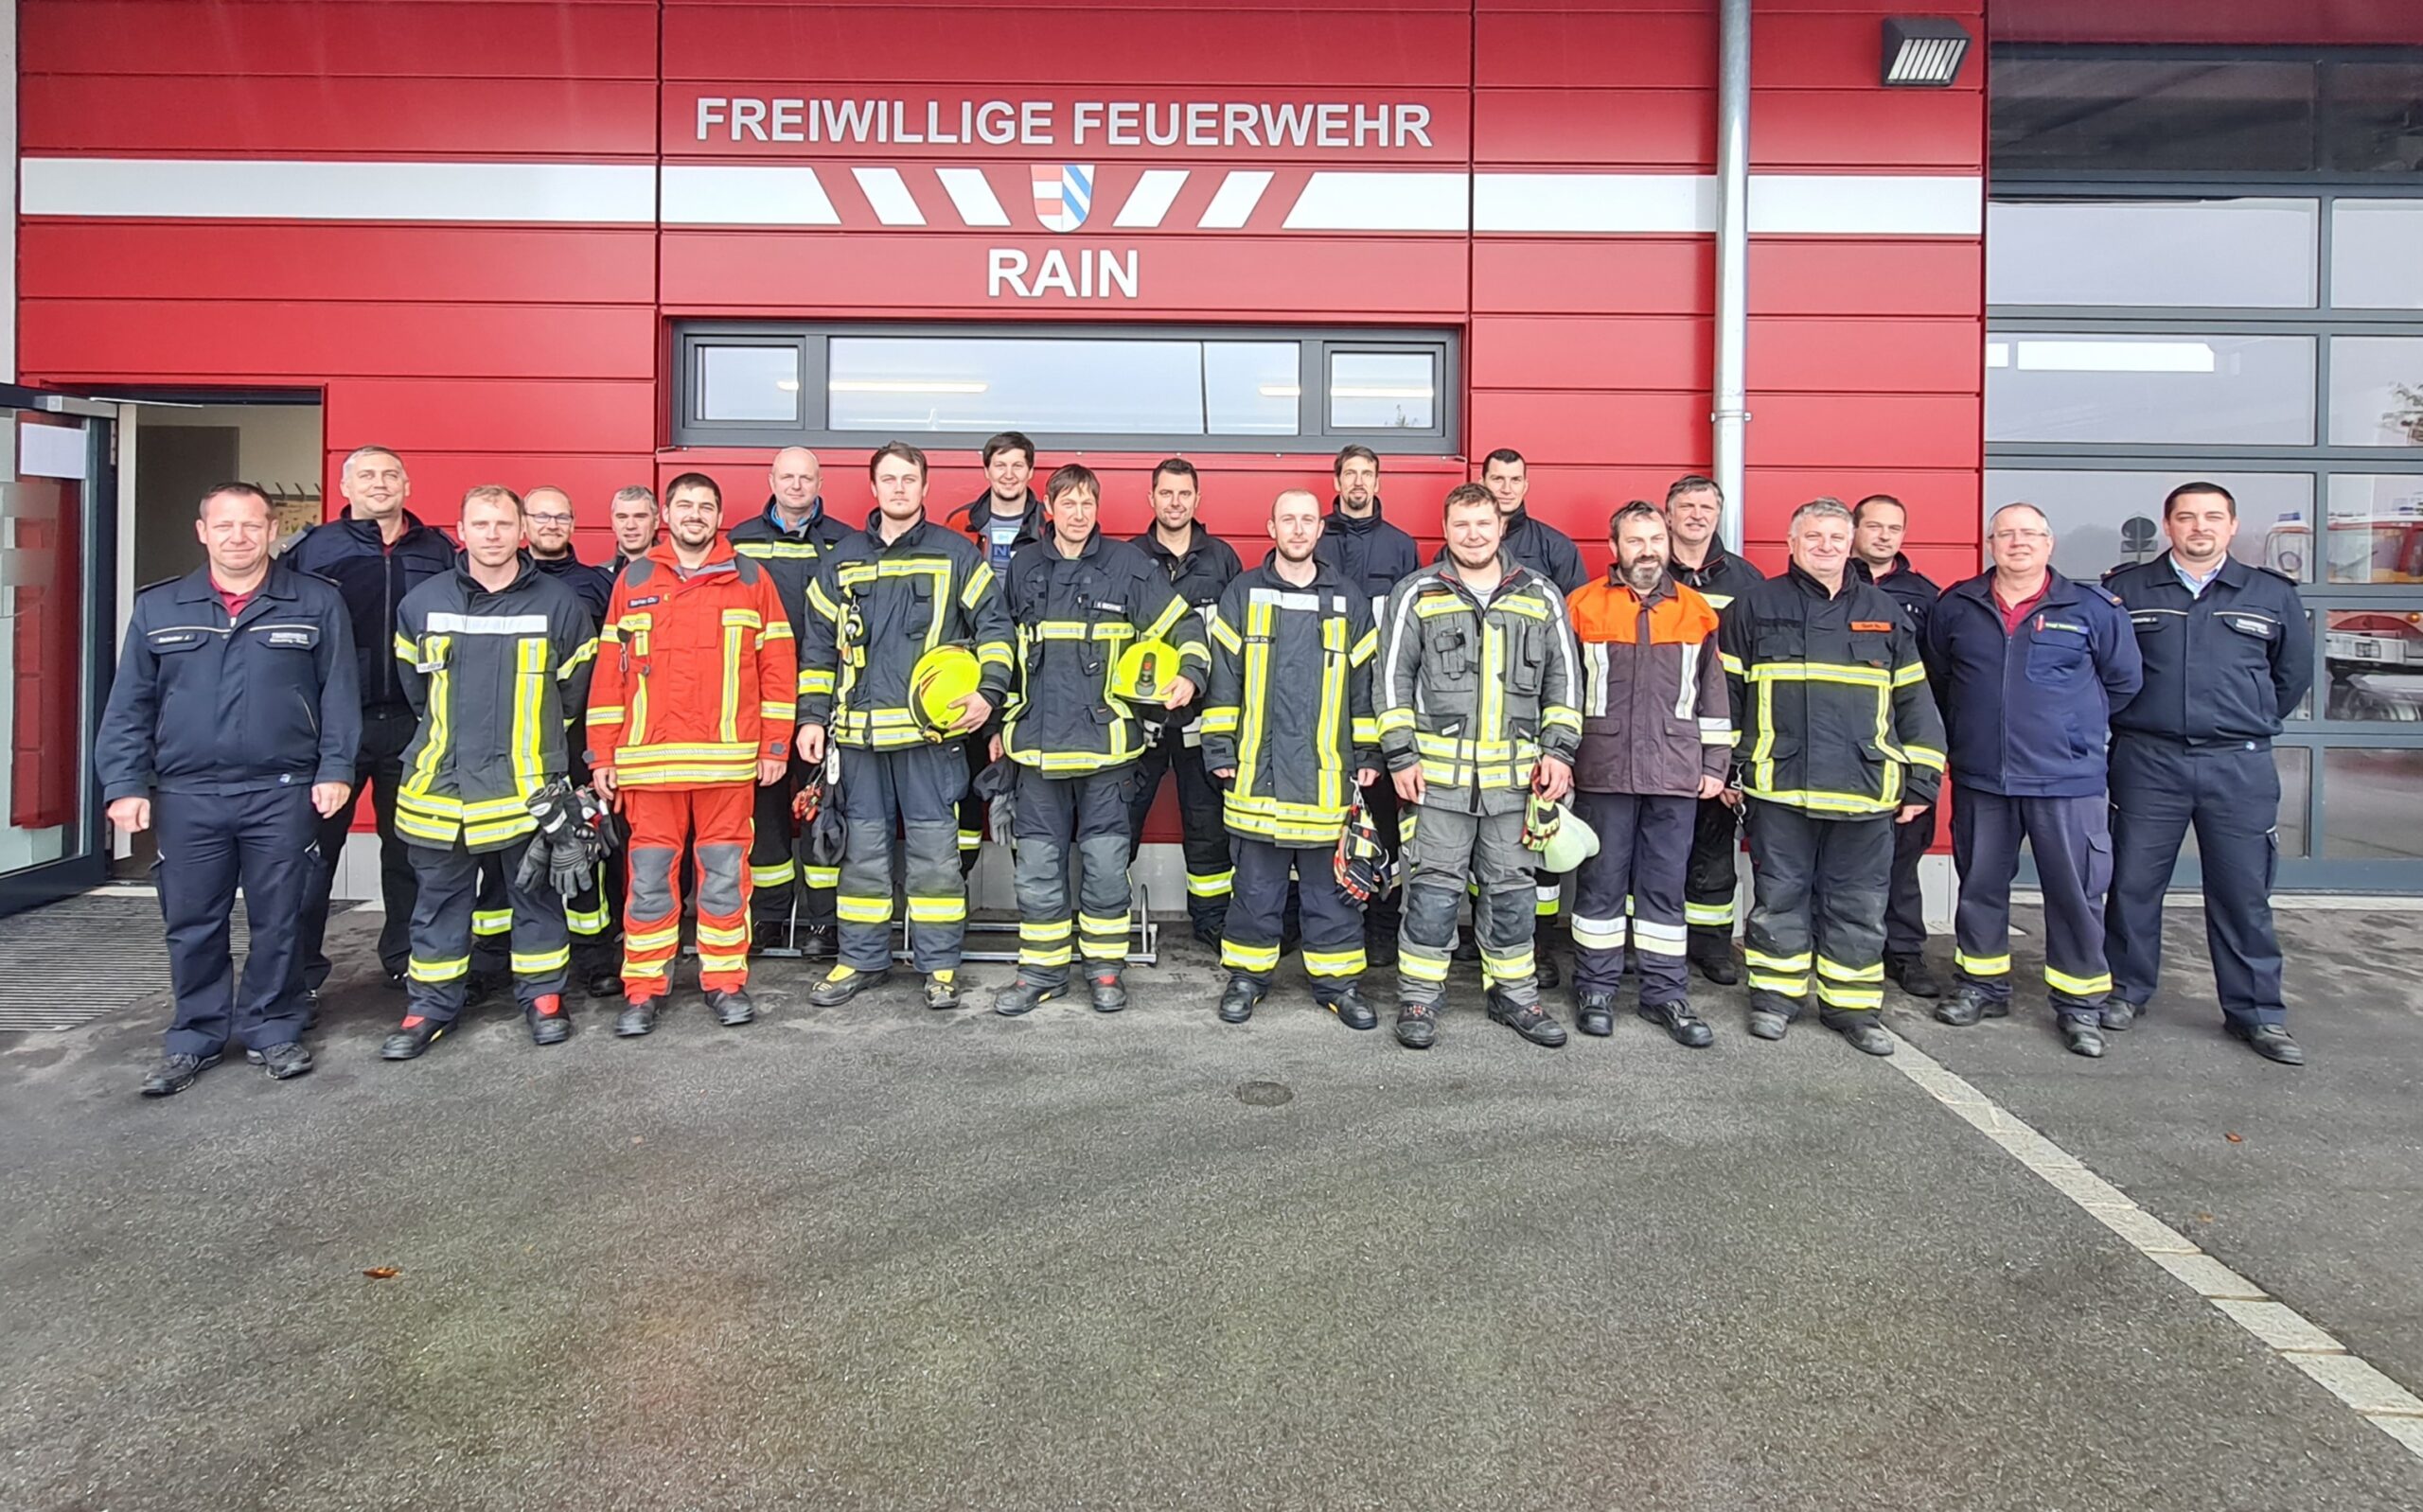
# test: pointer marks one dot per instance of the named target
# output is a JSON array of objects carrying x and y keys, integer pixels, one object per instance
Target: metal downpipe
[{"x": 1731, "y": 416}]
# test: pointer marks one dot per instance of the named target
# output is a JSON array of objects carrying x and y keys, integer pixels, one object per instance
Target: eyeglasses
[
  {"x": 551, "y": 519},
  {"x": 2023, "y": 536}
]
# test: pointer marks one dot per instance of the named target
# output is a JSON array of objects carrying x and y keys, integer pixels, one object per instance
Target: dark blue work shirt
[
  {"x": 204, "y": 703},
  {"x": 2222, "y": 667},
  {"x": 2028, "y": 711}
]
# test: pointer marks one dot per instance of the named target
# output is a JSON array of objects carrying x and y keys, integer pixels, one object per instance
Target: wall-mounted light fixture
[{"x": 1923, "y": 52}]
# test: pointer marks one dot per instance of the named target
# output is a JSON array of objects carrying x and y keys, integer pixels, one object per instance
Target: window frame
[{"x": 1313, "y": 435}]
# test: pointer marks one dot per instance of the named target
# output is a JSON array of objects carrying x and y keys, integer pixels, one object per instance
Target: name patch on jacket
[
  {"x": 291, "y": 637},
  {"x": 642, "y": 603},
  {"x": 2061, "y": 625},
  {"x": 1885, "y": 625}
]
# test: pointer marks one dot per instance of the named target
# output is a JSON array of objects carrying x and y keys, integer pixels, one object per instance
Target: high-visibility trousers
[{"x": 717, "y": 823}]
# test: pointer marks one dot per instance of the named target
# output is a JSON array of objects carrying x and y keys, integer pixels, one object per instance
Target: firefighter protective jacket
[
  {"x": 1199, "y": 577},
  {"x": 2223, "y": 666},
  {"x": 1290, "y": 709},
  {"x": 373, "y": 577},
  {"x": 1655, "y": 716},
  {"x": 695, "y": 677},
  {"x": 874, "y": 607},
  {"x": 1829, "y": 697},
  {"x": 1475, "y": 691},
  {"x": 789, "y": 556},
  {"x": 495, "y": 678},
  {"x": 204, "y": 703},
  {"x": 2027, "y": 712},
  {"x": 1074, "y": 616},
  {"x": 1369, "y": 553},
  {"x": 1719, "y": 578}
]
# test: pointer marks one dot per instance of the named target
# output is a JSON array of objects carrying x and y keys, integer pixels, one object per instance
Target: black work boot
[
  {"x": 1352, "y": 1011},
  {"x": 842, "y": 984},
  {"x": 1108, "y": 993},
  {"x": 284, "y": 1062},
  {"x": 1543, "y": 966},
  {"x": 413, "y": 1040},
  {"x": 2083, "y": 1034},
  {"x": 942, "y": 989},
  {"x": 2118, "y": 1013},
  {"x": 1969, "y": 1003},
  {"x": 638, "y": 1017},
  {"x": 819, "y": 941},
  {"x": 175, "y": 1073},
  {"x": 732, "y": 1008},
  {"x": 1596, "y": 1015},
  {"x": 1710, "y": 953},
  {"x": 1238, "y": 1001},
  {"x": 1535, "y": 1023},
  {"x": 1417, "y": 1026},
  {"x": 1916, "y": 977},
  {"x": 603, "y": 981},
  {"x": 1681, "y": 1022},
  {"x": 549, "y": 1023},
  {"x": 2271, "y": 1041},
  {"x": 1023, "y": 996},
  {"x": 1859, "y": 1027}
]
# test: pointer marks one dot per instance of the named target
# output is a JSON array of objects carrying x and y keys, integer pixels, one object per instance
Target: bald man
[{"x": 786, "y": 538}]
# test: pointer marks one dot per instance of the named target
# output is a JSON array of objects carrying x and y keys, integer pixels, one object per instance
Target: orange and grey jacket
[
  {"x": 696, "y": 678},
  {"x": 1655, "y": 716}
]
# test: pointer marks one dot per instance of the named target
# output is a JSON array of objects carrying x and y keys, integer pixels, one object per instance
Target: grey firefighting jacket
[{"x": 1475, "y": 692}]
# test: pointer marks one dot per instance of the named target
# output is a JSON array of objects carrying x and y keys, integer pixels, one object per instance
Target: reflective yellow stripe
[
  {"x": 1759, "y": 960},
  {"x": 538, "y": 963},
  {"x": 772, "y": 876},
  {"x": 1982, "y": 965},
  {"x": 1335, "y": 962},
  {"x": 1837, "y": 971},
  {"x": 1771, "y": 982},
  {"x": 1835, "y": 994},
  {"x": 1511, "y": 968},
  {"x": 2097, "y": 985},
  {"x": 1707, "y": 915},
  {"x": 1248, "y": 958},
  {"x": 437, "y": 971},
  {"x": 1210, "y": 885},
  {"x": 863, "y": 910},
  {"x": 491, "y": 921},
  {"x": 936, "y": 911},
  {"x": 720, "y": 935}
]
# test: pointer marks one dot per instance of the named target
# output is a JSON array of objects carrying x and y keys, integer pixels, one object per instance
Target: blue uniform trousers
[
  {"x": 2231, "y": 793},
  {"x": 1254, "y": 923},
  {"x": 2072, "y": 842},
  {"x": 1634, "y": 887},
  {"x": 210, "y": 845}
]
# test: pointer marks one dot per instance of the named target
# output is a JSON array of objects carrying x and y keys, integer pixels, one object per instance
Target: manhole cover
[{"x": 1265, "y": 1093}]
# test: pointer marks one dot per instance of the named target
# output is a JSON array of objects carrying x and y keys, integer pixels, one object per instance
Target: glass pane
[
  {"x": 2377, "y": 391},
  {"x": 1372, "y": 391},
  {"x": 2174, "y": 390},
  {"x": 2296, "y": 786},
  {"x": 2131, "y": 113},
  {"x": 2156, "y": 251},
  {"x": 2373, "y": 802},
  {"x": 2107, "y": 520},
  {"x": 1252, "y": 388},
  {"x": 1099, "y": 387},
  {"x": 2375, "y": 254},
  {"x": 2376, "y": 529},
  {"x": 2374, "y": 659},
  {"x": 2375, "y": 123},
  {"x": 747, "y": 383},
  {"x": 42, "y": 640}
]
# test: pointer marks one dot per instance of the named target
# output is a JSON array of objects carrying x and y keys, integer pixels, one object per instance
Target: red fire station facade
[{"x": 608, "y": 241}]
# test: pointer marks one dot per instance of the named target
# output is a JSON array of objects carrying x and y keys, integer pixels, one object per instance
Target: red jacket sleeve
[
  {"x": 608, "y": 684},
  {"x": 777, "y": 675}
]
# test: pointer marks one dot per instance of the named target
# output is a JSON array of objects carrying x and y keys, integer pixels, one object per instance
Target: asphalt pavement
[{"x": 880, "y": 1258}]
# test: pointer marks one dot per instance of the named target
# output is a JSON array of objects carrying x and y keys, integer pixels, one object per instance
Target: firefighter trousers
[
  {"x": 1250, "y": 943},
  {"x": 1816, "y": 910},
  {"x": 1087, "y": 815},
  {"x": 1634, "y": 886},
  {"x": 439, "y": 974},
  {"x": 2071, "y": 839},
  {"x": 1905, "y": 919},
  {"x": 779, "y": 874},
  {"x": 1444, "y": 848},
  {"x": 1711, "y": 880},
  {"x": 1201, "y": 819},
  {"x": 715, "y": 823},
  {"x": 914, "y": 791},
  {"x": 586, "y": 915}
]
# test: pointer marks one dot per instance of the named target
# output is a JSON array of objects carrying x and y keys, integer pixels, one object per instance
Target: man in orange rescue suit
[
  {"x": 689, "y": 714},
  {"x": 1657, "y": 738}
]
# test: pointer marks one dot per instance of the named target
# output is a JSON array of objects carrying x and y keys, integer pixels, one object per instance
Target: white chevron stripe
[
  {"x": 972, "y": 197},
  {"x": 1233, "y": 205},
  {"x": 888, "y": 197},
  {"x": 1151, "y": 200}
]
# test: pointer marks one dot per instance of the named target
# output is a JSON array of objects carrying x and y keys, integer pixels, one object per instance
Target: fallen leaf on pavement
[
  {"x": 2233, "y": 1138},
  {"x": 381, "y": 1273}
]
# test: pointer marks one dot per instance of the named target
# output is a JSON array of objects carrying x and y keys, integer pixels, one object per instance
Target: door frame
[{"x": 53, "y": 879}]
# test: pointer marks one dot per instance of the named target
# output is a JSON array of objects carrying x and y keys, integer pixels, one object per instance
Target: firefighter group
[{"x": 788, "y": 728}]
